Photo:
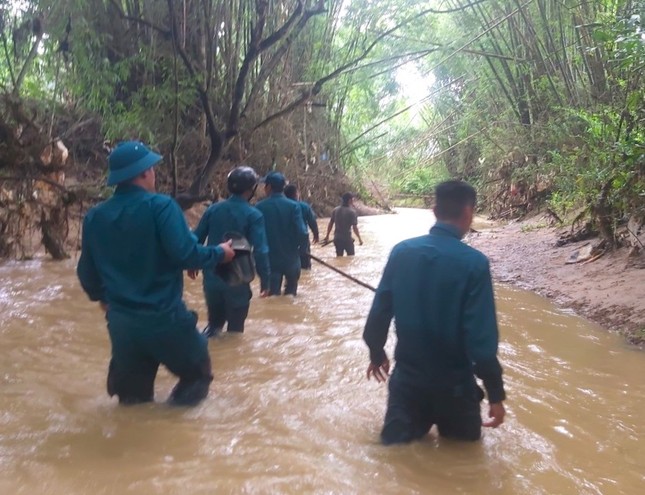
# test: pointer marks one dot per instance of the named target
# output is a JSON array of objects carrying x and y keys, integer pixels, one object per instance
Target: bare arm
[
  {"x": 357, "y": 234},
  {"x": 329, "y": 227}
]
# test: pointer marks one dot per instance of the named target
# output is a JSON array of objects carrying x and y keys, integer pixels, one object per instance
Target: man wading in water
[
  {"x": 345, "y": 218},
  {"x": 286, "y": 231},
  {"x": 226, "y": 303},
  {"x": 135, "y": 248},
  {"x": 440, "y": 293},
  {"x": 308, "y": 215}
]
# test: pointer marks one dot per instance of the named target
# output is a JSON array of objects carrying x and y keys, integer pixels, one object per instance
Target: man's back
[
  {"x": 235, "y": 214},
  {"x": 231, "y": 215},
  {"x": 135, "y": 246},
  {"x": 439, "y": 292},
  {"x": 344, "y": 219},
  {"x": 285, "y": 228}
]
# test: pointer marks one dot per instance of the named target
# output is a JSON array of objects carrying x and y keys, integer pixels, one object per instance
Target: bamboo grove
[{"x": 535, "y": 101}]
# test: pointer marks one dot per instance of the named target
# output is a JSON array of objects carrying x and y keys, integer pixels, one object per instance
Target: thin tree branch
[
  {"x": 317, "y": 86},
  {"x": 30, "y": 58},
  {"x": 8, "y": 57},
  {"x": 139, "y": 20},
  {"x": 454, "y": 9},
  {"x": 256, "y": 49},
  {"x": 216, "y": 138},
  {"x": 37, "y": 179},
  {"x": 396, "y": 114}
]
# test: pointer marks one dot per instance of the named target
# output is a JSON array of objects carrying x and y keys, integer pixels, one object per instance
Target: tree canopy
[{"x": 534, "y": 101}]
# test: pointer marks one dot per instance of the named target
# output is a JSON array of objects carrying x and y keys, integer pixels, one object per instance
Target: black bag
[{"x": 241, "y": 270}]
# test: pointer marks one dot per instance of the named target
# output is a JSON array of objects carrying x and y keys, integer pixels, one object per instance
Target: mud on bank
[{"x": 609, "y": 290}]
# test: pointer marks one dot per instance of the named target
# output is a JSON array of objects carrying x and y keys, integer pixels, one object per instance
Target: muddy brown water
[{"x": 290, "y": 410}]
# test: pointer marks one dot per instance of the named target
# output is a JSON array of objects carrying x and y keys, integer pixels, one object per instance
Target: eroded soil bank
[{"x": 609, "y": 290}]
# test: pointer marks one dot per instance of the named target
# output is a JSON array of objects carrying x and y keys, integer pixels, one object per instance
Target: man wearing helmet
[
  {"x": 227, "y": 304},
  {"x": 135, "y": 248}
]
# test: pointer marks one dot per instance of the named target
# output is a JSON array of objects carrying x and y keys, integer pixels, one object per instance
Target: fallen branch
[
  {"x": 554, "y": 215},
  {"x": 591, "y": 260},
  {"x": 40, "y": 179},
  {"x": 340, "y": 272},
  {"x": 635, "y": 237}
]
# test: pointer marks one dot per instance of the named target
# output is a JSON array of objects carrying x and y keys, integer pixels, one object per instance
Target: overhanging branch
[
  {"x": 298, "y": 17},
  {"x": 318, "y": 85},
  {"x": 139, "y": 20}
]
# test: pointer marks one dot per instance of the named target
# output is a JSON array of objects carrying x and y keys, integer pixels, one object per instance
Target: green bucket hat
[
  {"x": 275, "y": 180},
  {"x": 129, "y": 159}
]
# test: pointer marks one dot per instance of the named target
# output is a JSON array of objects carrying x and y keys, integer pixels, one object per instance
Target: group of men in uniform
[
  {"x": 137, "y": 244},
  {"x": 122, "y": 266}
]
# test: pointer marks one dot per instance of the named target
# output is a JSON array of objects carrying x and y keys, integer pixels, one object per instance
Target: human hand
[
  {"x": 496, "y": 412},
  {"x": 360, "y": 242},
  {"x": 326, "y": 240},
  {"x": 265, "y": 293},
  {"x": 192, "y": 274},
  {"x": 229, "y": 254},
  {"x": 315, "y": 240},
  {"x": 380, "y": 372}
]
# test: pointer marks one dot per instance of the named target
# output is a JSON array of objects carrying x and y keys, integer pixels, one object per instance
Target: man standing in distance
[
  {"x": 308, "y": 215},
  {"x": 286, "y": 231},
  {"x": 345, "y": 218},
  {"x": 135, "y": 248},
  {"x": 226, "y": 303},
  {"x": 440, "y": 293}
]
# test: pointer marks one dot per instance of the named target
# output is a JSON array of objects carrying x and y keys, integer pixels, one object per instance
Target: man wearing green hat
[
  {"x": 135, "y": 248},
  {"x": 286, "y": 232}
]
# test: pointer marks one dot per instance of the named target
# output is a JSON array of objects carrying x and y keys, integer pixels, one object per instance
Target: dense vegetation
[{"x": 536, "y": 101}]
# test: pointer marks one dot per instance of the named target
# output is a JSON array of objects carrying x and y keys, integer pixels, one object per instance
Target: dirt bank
[{"x": 609, "y": 290}]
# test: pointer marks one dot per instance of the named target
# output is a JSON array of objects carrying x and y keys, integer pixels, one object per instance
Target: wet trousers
[
  {"x": 344, "y": 246},
  {"x": 228, "y": 306},
  {"x": 305, "y": 259},
  {"x": 413, "y": 409},
  {"x": 290, "y": 273},
  {"x": 141, "y": 343}
]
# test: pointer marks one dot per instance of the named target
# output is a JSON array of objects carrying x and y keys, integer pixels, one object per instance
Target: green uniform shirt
[
  {"x": 235, "y": 215},
  {"x": 135, "y": 248},
  {"x": 286, "y": 230},
  {"x": 440, "y": 294}
]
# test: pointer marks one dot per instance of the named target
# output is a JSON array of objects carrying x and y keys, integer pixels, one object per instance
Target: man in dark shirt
[
  {"x": 308, "y": 215},
  {"x": 286, "y": 231},
  {"x": 440, "y": 294},
  {"x": 228, "y": 304},
  {"x": 345, "y": 219},
  {"x": 135, "y": 248}
]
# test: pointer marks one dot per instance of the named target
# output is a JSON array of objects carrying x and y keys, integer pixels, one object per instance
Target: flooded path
[{"x": 290, "y": 410}]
